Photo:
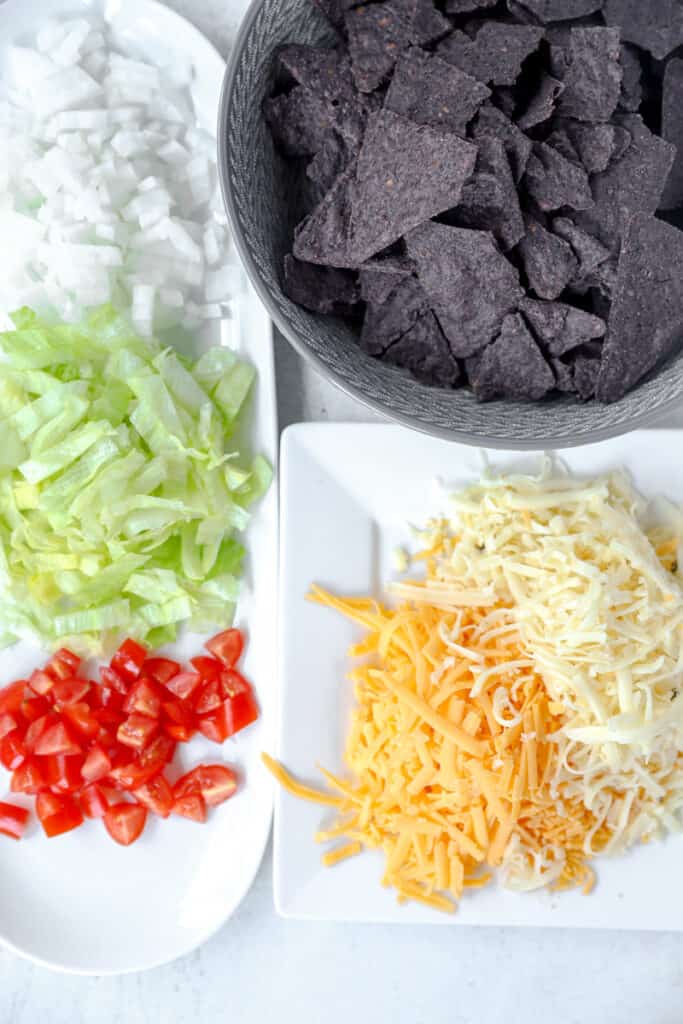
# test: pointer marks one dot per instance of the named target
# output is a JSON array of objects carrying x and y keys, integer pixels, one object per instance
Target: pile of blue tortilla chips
[{"x": 496, "y": 188}]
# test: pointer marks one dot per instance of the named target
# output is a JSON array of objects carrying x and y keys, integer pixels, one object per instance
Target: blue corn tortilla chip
[
  {"x": 512, "y": 366},
  {"x": 489, "y": 199},
  {"x": 549, "y": 262},
  {"x": 378, "y": 278},
  {"x": 298, "y": 121},
  {"x": 553, "y": 181},
  {"x": 559, "y": 140},
  {"x": 492, "y": 123},
  {"x": 654, "y": 25},
  {"x": 560, "y": 328},
  {"x": 632, "y": 185},
  {"x": 378, "y": 34},
  {"x": 334, "y": 10},
  {"x": 672, "y": 130},
  {"x": 429, "y": 91},
  {"x": 646, "y": 319},
  {"x": 542, "y": 104},
  {"x": 407, "y": 173},
  {"x": 558, "y": 10},
  {"x": 631, "y": 95},
  {"x": 586, "y": 375},
  {"x": 326, "y": 75},
  {"x": 387, "y": 321},
  {"x": 468, "y": 6},
  {"x": 589, "y": 252},
  {"x": 468, "y": 282},
  {"x": 324, "y": 236},
  {"x": 592, "y": 80},
  {"x": 330, "y": 161},
  {"x": 424, "y": 351},
  {"x": 321, "y": 289},
  {"x": 564, "y": 376},
  {"x": 597, "y": 145},
  {"x": 496, "y": 53}
]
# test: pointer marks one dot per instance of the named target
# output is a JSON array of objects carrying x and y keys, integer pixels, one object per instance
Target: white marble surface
[{"x": 262, "y": 968}]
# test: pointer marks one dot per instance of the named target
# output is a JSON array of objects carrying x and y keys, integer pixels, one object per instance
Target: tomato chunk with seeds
[
  {"x": 13, "y": 820},
  {"x": 137, "y": 731},
  {"x": 64, "y": 664},
  {"x": 56, "y": 740},
  {"x": 69, "y": 691},
  {"x": 208, "y": 668},
  {"x": 209, "y": 698},
  {"x": 81, "y": 718},
  {"x": 240, "y": 710},
  {"x": 233, "y": 683},
  {"x": 97, "y": 764},
  {"x": 128, "y": 660},
  {"x": 112, "y": 680},
  {"x": 144, "y": 697},
  {"x": 12, "y": 750},
  {"x": 215, "y": 782},
  {"x": 93, "y": 800},
  {"x": 57, "y": 814},
  {"x": 8, "y": 723},
  {"x": 227, "y": 646},
  {"x": 190, "y": 806},
  {"x": 28, "y": 777},
  {"x": 161, "y": 669},
  {"x": 184, "y": 684},
  {"x": 156, "y": 795},
  {"x": 40, "y": 682},
  {"x": 12, "y": 696},
  {"x": 63, "y": 772},
  {"x": 124, "y": 822},
  {"x": 34, "y": 707}
]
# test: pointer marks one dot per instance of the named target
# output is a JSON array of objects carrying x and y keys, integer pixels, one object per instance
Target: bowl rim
[{"x": 455, "y": 434}]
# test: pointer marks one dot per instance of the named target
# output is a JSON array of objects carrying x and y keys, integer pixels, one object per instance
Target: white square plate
[{"x": 348, "y": 493}]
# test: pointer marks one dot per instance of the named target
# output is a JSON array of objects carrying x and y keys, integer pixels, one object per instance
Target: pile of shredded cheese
[{"x": 519, "y": 708}]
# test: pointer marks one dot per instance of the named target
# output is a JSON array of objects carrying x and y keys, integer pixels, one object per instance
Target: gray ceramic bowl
[{"x": 264, "y": 204}]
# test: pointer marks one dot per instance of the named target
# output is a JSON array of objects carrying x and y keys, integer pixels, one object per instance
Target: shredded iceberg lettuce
[{"x": 121, "y": 484}]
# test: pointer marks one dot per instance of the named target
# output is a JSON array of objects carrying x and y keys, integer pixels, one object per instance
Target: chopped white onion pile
[{"x": 108, "y": 186}]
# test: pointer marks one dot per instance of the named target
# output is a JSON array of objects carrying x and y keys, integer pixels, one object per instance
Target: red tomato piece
[
  {"x": 69, "y": 691},
  {"x": 208, "y": 668},
  {"x": 128, "y": 660},
  {"x": 37, "y": 728},
  {"x": 28, "y": 777},
  {"x": 81, "y": 718},
  {"x": 191, "y": 806},
  {"x": 156, "y": 795},
  {"x": 63, "y": 664},
  {"x": 63, "y": 772},
  {"x": 112, "y": 680},
  {"x": 233, "y": 683},
  {"x": 8, "y": 723},
  {"x": 209, "y": 698},
  {"x": 12, "y": 696},
  {"x": 57, "y": 814},
  {"x": 34, "y": 707},
  {"x": 215, "y": 782},
  {"x": 12, "y": 750},
  {"x": 124, "y": 822},
  {"x": 144, "y": 697},
  {"x": 214, "y": 726},
  {"x": 184, "y": 684},
  {"x": 97, "y": 764},
  {"x": 13, "y": 820},
  {"x": 40, "y": 682},
  {"x": 135, "y": 773},
  {"x": 93, "y": 799},
  {"x": 179, "y": 722},
  {"x": 227, "y": 646},
  {"x": 161, "y": 669},
  {"x": 56, "y": 739},
  {"x": 241, "y": 710},
  {"x": 137, "y": 731}
]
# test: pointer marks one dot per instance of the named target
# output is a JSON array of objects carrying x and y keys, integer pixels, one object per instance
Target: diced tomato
[
  {"x": 128, "y": 660},
  {"x": 135, "y": 773},
  {"x": 227, "y": 646},
  {"x": 214, "y": 726},
  {"x": 12, "y": 696},
  {"x": 8, "y": 723},
  {"x": 57, "y": 739},
  {"x": 111, "y": 680},
  {"x": 37, "y": 728},
  {"x": 81, "y": 718},
  {"x": 57, "y": 813},
  {"x": 144, "y": 697},
  {"x": 161, "y": 749},
  {"x": 97, "y": 764},
  {"x": 209, "y": 698},
  {"x": 241, "y": 710},
  {"x": 63, "y": 772},
  {"x": 13, "y": 820},
  {"x": 208, "y": 668},
  {"x": 137, "y": 731},
  {"x": 161, "y": 669},
  {"x": 12, "y": 750},
  {"x": 178, "y": 720},
  {"x": 191, "y": 806},
  {"x": 215, "y": 782},
  {"x": 34, "y": 707},
  {"x": 28, "y": 777},
  {"x": 64, "y": 664},
  {"x": 124, "y": 822},
  {"x": 184, "y": 684},
  {"x": 233, "y": 683},
  {"x": 109, "y": 718},
  {"x": 94, "y": 803},
  {"x": 156, "y": 795},
  {"x": 69, "y": 691},
  {"x": 40, "y": 682}
]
